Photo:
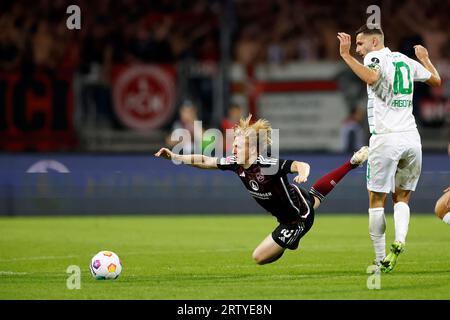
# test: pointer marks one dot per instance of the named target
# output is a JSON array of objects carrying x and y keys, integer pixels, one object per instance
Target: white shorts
[{"x": 395, "y": 160}]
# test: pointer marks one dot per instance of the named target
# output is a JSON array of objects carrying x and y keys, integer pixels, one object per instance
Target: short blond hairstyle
[{"x": 261, "y": 129}]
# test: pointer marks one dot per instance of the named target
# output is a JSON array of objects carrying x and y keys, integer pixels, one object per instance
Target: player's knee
[
  {"x": 377, "y": 199},
  {"x": 439, "y": 210},
  {"x": 400, "y": 198},
  {"x": 258, "y": 257},
  {"x": 316, "y": 203},
  {"x": 261, "y": 258}
]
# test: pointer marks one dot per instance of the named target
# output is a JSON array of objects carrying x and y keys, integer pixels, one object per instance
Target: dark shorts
[{"x": 288, "y": 235}]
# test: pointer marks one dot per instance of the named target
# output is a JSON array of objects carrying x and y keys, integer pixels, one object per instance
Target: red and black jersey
[{"x": 266, "y": 180}]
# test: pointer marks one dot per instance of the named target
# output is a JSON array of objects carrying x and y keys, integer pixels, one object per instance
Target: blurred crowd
[
  {"x": 33, "y": 34},
  {"x": 278, "y": 31}
]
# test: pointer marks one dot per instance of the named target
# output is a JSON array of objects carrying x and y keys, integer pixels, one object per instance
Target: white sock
[
  {"x": 377, "y": 228},
  {"x": 401, "y": 219},
  {"x": 446, "y": 218}
]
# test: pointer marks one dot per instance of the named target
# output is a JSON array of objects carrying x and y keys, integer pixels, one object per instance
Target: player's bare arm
[
  {"x": 422, "y": 54},
  {"x": 194, "y": 160},
  {"x": 366, "y": 74},
  {"x": 302, "y": 169}
]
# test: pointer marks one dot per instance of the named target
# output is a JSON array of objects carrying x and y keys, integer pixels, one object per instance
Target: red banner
[
  {"x": 144, "y": 95},
  {"x": 36, "y": 112}
]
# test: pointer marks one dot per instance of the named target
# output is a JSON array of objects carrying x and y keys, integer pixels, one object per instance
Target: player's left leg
[
  {"x": 401, "y": 220},
  {"x": 267, "y": 251},
  {"x": 285, "y": 236},
  {"x": 325, "y": 184},
  {"x": 401, "y": 213}
]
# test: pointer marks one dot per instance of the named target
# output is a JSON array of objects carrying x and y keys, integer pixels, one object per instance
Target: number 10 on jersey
[{"x": 402, "y": 78}]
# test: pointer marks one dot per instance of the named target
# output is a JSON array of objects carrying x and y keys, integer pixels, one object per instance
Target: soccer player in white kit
[{"x": 395, "y": 150}]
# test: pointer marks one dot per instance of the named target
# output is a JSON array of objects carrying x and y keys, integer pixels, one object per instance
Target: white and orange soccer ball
[{"x": 105, "y": 265}]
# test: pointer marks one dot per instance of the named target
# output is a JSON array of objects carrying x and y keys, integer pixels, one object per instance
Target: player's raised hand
[
  {"x": 300, "y": 178},
  {"x": 164, "y": 153},
  {"x": 302, "y": 170},
  {"x": 345, "y": 42},
  {"x": 421, "y": 52}
]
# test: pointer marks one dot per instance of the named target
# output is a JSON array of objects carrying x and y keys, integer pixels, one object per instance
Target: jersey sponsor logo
[
  {"x": 262, "y": 196},
  {"x": 375, "y": 60},
  {"x": 254, "y": 185}
]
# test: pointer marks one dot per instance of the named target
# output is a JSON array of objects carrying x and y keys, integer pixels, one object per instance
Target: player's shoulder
[
  {"x": 374, "y": 60},
  {"x": 376, "y": 57},
  {"x": 401, "y": 57}
]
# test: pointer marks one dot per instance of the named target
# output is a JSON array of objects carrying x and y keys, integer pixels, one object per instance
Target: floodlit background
[{"x": 82, "y": 111}]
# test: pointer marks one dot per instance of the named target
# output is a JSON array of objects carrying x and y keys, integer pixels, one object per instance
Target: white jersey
[{"x": 389, "y": 105}]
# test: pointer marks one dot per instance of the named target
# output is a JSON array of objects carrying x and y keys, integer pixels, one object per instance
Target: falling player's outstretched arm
[
  {"x": 195, "y": 160},
  {"x": 422, "y": 55},
  {"x": 369, "y": 76},
  {"x": 302, "y": 169}
]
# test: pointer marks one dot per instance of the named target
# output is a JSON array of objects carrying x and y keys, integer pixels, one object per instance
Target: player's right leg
[
  {"x": 401, "y": 220},
  {"x": 324, "y": 185},
  {"x": 442, "y": 208},
  {"x": 381, "y": 168},
  {"x": 401, "y": 213},
  {"x": 377, "y": 225}
]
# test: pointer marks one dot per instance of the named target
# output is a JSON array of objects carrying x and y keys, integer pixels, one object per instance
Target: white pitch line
[
  {"x": 38, "y": 258},
  {"x": 12, "y": 273},
  {"x": 125, "y": 253},
  {"x": 168, "y": 251}
]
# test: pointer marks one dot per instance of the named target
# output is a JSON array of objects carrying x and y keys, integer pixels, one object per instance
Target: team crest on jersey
[
  {"x": 254, "y": 185},
  {"x": 375, "y": 64},
  {"x": 259, "y": 177}
]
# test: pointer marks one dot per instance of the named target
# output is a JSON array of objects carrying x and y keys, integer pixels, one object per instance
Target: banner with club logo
[{"x": 144, "y": 95}]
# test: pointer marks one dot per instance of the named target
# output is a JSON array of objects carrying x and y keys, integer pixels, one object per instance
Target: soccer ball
[{"x": 105, "y": 265}]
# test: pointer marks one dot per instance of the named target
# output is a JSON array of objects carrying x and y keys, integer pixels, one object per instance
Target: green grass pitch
[{"x": 209, "y": 257}]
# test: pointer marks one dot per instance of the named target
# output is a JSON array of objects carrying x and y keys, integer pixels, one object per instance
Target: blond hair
[{"x": 261, "y": 129}]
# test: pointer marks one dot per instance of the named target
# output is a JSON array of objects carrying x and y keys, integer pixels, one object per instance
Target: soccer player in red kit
[{"x": 266, "y": 180}]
